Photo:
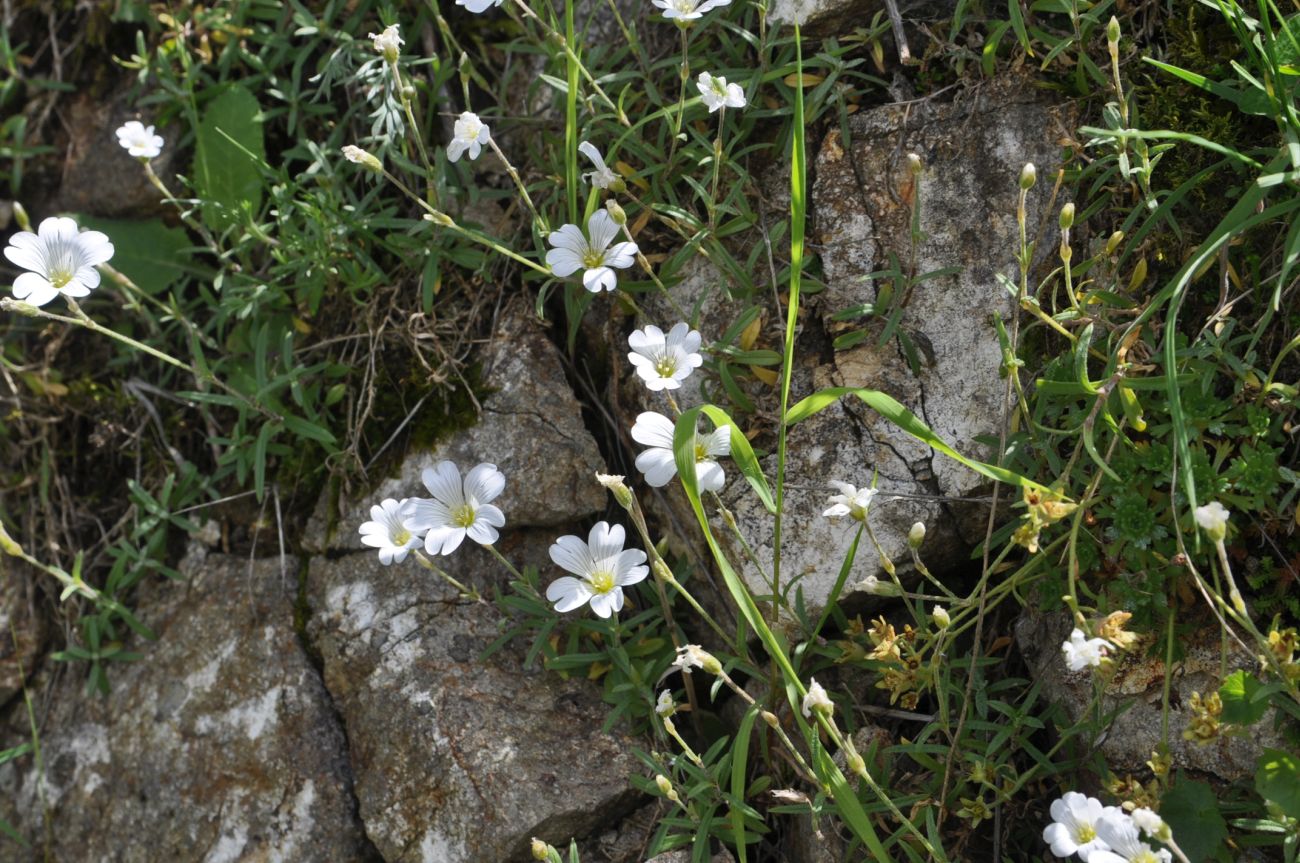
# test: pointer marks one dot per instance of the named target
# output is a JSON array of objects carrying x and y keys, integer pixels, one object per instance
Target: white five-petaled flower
[
  {"x": 817, "y": 700},
  {"x": 389, "y": 43},
  {"x": 1150, "y": 823},
  {"x": 389, "y": 530},
  {"x": 658, "y": 463},
  {"x": 693, "y": 656},
  {"x": 458, "y": 509},
  {"x": 603, "y": 177},
  {"x": 470, "y": 133},
  {"x": 139, "y": 140},
  {"x": 603, "y": 568},
  {"x": 477, "y": 6},
  {"x": 717, "y": 93},
  {"x": 687, "y": 10},
  {"x": 1082, "y": 652},
  {"x": 1123, "y": 843},
  {"x": 851, "y": 501},
  {"x": 1213, "y": 519},
  {"x": 61, "y": 260},
  {"x": 593, "y": 253},
  {"x": 665, "y": 706},
  {"x": 1074, "y": 825},
  {"x": 664, "y": 361}
]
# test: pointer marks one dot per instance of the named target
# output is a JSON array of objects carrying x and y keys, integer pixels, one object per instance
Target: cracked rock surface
[
  {"x": 459, "y": 759},
  {"x": 218, "y": 744},
  {"x": 531, "y": 428}
]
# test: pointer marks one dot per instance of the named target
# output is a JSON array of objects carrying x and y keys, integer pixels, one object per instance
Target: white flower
[
  {"x": 595, "y": 256},
  {"x": 389, "y": 43},
  {"x": 390, "y": 531},
  {"x": 61, "y": 260},
  {"x": 1123, "y": 844},
  {"x": 470, "y": 133},
  {"x": 850, "y": 501},
  {"x": 657, "y": 463},
  {"x": 1082, "y": 652},
  {"x": 665, "y": 706},
  {"x": 693, "y": 656},
  {"x": 1150, "y": 823},
  {"x": 817, "y": 700},
  {"x": 664, "y": 361},
  {"x": 603, "y": 567},
  {"x": 717, "y": 93},
  {"x": 603, "y": 177},
  {"x": 477, "y": 6},
  {"x": 139, "y": 140},
  {"x": 458, "y": 509},
  {"x": 1074, "y": 826},
  {"x": 1213, "y": 519},
  {"x": 687, "y": 10}
]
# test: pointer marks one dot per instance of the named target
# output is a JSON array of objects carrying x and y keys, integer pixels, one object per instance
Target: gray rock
[
  {"x": 22, "y": 628},
  {"x": 531, "y": 428},
  {"x": 99, "y": 177},
  {"x": 973, "y": 150},
  {"x": 840, "y": 17},
  {"x": 684, "y": 856},
  {"x": 219, "y": 744},
  {"x": 1138, "y": 682},
  {"x": 458, "y": 759}
]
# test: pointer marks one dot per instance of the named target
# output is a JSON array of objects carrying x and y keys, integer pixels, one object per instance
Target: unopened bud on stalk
[
  {"x": 408, "y": 91},
  {"x": 7, "y": 543},
  {"x": 876, "y": 587},
  {"x": 940, "y": 617},
  {"x": 21, "y": 217},
  {"x": 19, "y": 307},
  {"x": 1028, "y": 176},
  {"x": 1067, "y": 217},
  {"x": 770, "y": 718},
  {"x": 616, "y": 212},
  {"x": 616, "y": 487},
  {"x": 854, "y": 760},
  {"x": 440, "y": 218},
  {"x": 1112, "y": 32},
  {"x": 666, "y": 788},
  {"x": 914, "y": 164},
  {"x": 541, "y": 851},
  {"x": 360, "y": 157},
  {"x": 916, "y": 535}
]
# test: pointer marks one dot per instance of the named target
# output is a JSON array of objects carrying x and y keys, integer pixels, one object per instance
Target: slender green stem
[
  {"x": 717, "y": 170},
  {"x": 685, "y": 75},
  {"x": 408, "y": 108},
  {"x": 539, "y": 219},
  {"x": 466, "y": 592},
  {"x": 195, "y": 225},
  {"x": 506, "y": 563},
  {"x": 564, "y": 44}
]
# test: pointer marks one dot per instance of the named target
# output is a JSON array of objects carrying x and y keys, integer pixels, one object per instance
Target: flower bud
[
  {"x": 770, "y": 718},
  {"x": 916, "y": 535},
  {"x": 914, "y": 164},
  {"x": 940, "y": 617},
  {"x": 616, "y": 212},
  {"x": 358, "y": 156},
  {"x": 1028, "y": 176},
  {"x": 389, "y": 42},
  {"x": 854, "y": 761},
  {"x": 666, "y": 788},
  {"x": 408, "y": 91},
  {"x": 7, "y": 543},
  {"x": 440, "y": 218},
  {"x": 21, "y": 217},
  {"x": 1112, "y": 244},
  {"x": 1067, "y": 217},
  {"x": 817, "y": 701},
  {"x": 1112, "y": 31},
  {"x": 9, "y": 304},
  {"x": 541, "y": 851},
  {"x": 616, "y": 487},
  {"x": 876, "y": 587}
]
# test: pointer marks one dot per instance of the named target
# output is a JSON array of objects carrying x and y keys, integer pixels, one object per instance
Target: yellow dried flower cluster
[
  {"x": 1204, "y": 725},
  {"x": 1044, "y": 508}
]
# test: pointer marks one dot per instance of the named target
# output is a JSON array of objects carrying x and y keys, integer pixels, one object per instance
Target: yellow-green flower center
[
  {"x": 592, "y": 259},
  {"x": 602, "y": 581},
  {"x": 665, "y": 367},
  {"x": 463, "y": 516},
  {"x": 1086, "y": 834},
  {"x": 60, "y": 277},
  {"x": 700, "y": 453},
  {"x": 400, "y": 536}
]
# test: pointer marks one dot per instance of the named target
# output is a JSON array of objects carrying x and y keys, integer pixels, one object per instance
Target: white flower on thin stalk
[
  {"x": 1074, "y": 825},
  {"x": 470, "y": 133},
  {"x": 458, "y": 509},
  {"x": 658, "y": 464},
  {"x": 593, "y": 253},
  {"x": 603, "y": 177},
  {"x": 665, "y": 706},
  {"x": 389, "y": 43},
  {"x": 851, "y": 501},
  {"x": 687, "y": 10},
  {"x": 390, "y": 532},
  {"x": 717, "y": 93},
  {"x": 1213, "y": 519},
  {"x": 602, "y": 566},
  {"x": 817, "y": 701},
  {"x": 664, "y": 361},
  {"x": 1123, "y": 843},
  {"x": 478, "y": 6},
  {"x": 61, "y": 260},
  {"x": 1082, "y": 652},
  {"x": 139, "y": 140}
]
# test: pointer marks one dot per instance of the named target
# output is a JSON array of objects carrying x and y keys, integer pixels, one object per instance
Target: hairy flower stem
[
  {"x": 404, "y": 92},
  {"x": 193, "y": 223},
  {"x": 644, "y": 262},
  {"x": 558, "y": 39},
  {"x": 465, "y": 592},
  {"x": 681, "y": 99},
  {"x": 539, "y": 220},
  {"x": 81, "y": 319},
  {"x": 717, "y": 170},
  {"x": 801, "y": 765}
]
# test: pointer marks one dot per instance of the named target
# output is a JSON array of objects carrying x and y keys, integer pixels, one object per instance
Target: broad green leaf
[
  {"x": 1277, "y": 778},
  {"x": 145, "y": 251},
  {"x": 905, "y": 420},
  {"x": 743, "y": 455},
  {"x": 1192, "y": 811},
  {"x": 1245, "y": 699},
  {"x": 228, "y": 156}
]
